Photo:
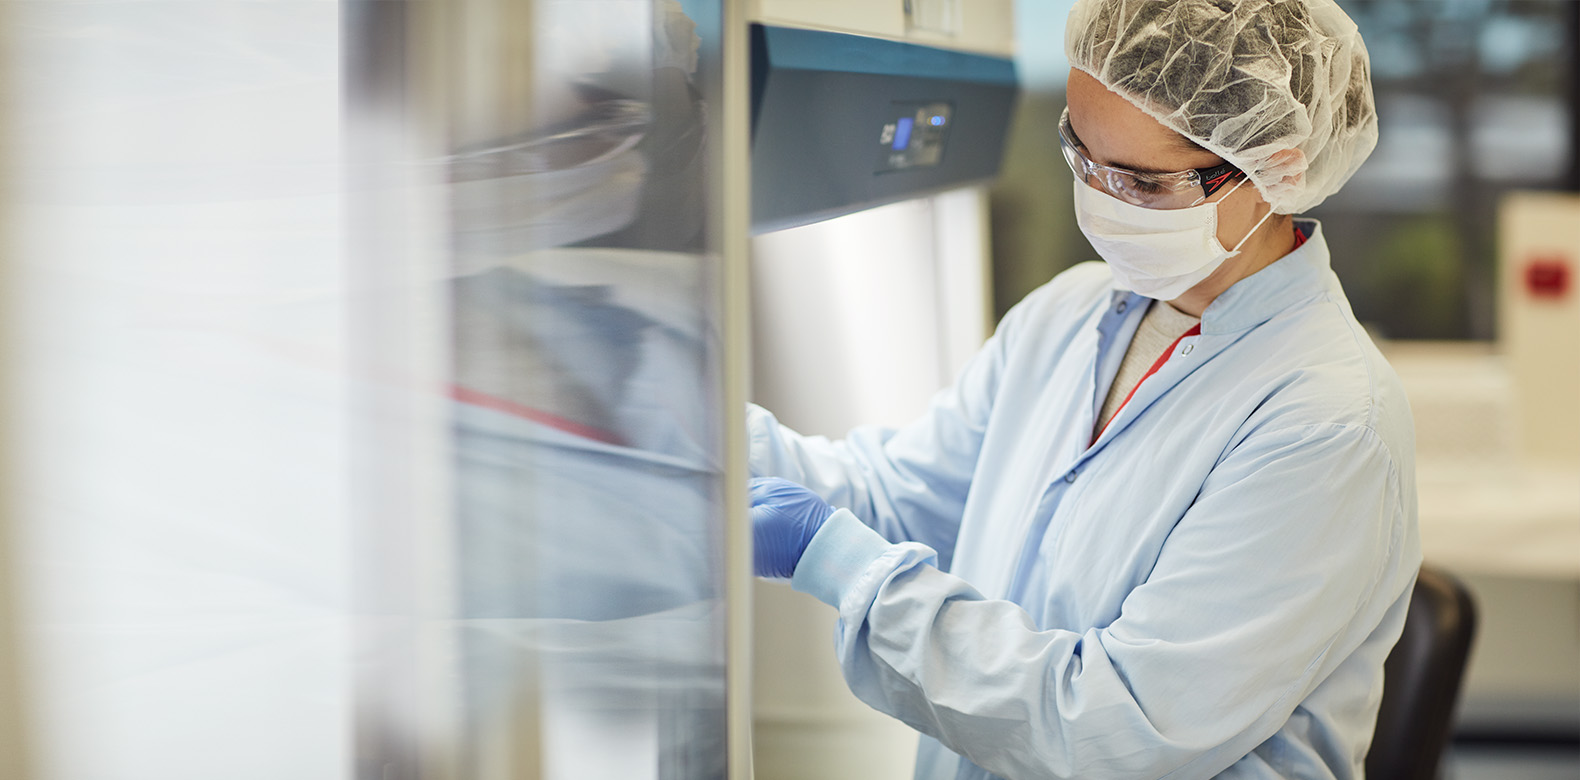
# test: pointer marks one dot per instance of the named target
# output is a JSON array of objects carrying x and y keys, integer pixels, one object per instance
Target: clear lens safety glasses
[{"x": 1148, "y": 190}]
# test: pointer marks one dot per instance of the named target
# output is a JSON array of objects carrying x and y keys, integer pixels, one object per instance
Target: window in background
[{"x": 1475, "y": 98}]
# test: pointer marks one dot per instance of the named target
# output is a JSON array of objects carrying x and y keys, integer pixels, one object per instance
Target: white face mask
[{"x": 1159, "y": 253}]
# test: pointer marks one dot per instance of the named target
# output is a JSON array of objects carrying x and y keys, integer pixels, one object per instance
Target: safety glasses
[{"x": 1148, "y": 190}]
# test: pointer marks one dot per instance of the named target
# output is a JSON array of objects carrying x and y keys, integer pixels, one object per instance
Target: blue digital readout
[
  {"x": 914, "y": 134},
  {"x": 902, "y": 133}
]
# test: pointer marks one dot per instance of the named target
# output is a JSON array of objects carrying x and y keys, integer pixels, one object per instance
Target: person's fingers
[
  {"x": 765, "y": 489},
  {"x": 759, "y": 489}
]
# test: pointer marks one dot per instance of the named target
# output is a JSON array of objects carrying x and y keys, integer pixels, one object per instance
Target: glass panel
[
  {"x": 565, "y": 619},
  {"x": 366, "y": 388},
  {"x": 175, "y": 324}
]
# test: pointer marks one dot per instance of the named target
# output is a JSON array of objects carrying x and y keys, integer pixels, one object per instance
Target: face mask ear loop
[{"x": 1258, "y": 226}]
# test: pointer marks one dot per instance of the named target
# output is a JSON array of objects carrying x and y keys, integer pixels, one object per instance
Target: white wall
[{"x": 857, "y": 320}]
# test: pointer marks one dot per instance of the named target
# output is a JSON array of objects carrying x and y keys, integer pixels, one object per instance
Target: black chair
[{"x": 1421, "y": 680}]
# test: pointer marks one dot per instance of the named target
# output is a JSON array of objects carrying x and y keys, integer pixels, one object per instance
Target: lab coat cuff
[
  {"x": 759, "y": 428},
  {"x": 839, "y": 553}
]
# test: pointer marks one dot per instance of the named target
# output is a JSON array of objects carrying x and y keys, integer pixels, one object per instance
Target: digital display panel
[
  {"x": 902, "y": 133},
  {"x": 915, "y": 136}
]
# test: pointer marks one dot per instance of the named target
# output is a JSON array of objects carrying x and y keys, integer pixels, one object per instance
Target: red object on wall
[{"x": 1547, "y": 277}]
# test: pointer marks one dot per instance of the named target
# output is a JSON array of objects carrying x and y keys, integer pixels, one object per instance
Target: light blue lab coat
[{"x": 1210, "y": 589}]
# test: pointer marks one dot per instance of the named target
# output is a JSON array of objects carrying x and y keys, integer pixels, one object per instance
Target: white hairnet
[{"x": 1280, "y": 88}]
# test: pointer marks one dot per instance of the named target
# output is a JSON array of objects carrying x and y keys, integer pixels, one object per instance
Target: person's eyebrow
[
  {"x": 1138, "y": 168},
  {"x": 1182, "y": 143}
]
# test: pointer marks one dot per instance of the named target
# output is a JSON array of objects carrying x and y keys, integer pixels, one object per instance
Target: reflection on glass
[
  {"x": 173, "y": 388},
  {"x": 604, "y": 572},
  {"x": 364, "y": 389},
  {"x": 585, "y": 627}
]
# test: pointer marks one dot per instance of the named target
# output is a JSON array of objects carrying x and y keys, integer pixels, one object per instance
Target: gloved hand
[{"x": 785, "y": 516}]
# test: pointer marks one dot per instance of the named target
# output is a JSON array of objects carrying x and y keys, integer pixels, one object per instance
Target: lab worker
[{"x": 1164, "y": 523}]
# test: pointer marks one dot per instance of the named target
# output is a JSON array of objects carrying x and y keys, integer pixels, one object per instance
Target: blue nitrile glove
[{"x": 785, "y": 516}]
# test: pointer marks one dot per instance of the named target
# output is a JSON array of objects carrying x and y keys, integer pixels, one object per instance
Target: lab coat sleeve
[
  {"x": 909, "y": 484},
  {"x": 1288, "y": 559}
]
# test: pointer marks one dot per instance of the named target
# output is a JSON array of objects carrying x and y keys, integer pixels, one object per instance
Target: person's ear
[
  {"x": 1286, "y": 167},
  {"x": 1281, "y": 174}
]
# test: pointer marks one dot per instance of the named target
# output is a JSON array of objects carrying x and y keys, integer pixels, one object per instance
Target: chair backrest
[{"x": 1421, "y": 680}]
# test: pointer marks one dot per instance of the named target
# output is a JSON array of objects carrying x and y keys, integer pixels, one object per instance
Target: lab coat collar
[
  {"x": 1297, "y": 276},
  {"x": 1254, "y": 300}
]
